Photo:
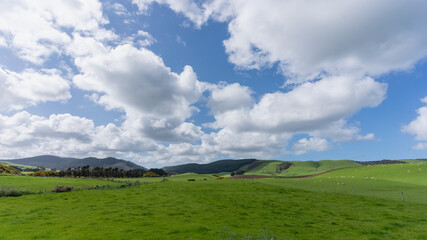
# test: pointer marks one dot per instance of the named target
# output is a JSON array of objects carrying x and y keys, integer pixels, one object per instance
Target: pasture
[{"x": 208, "y": 208}]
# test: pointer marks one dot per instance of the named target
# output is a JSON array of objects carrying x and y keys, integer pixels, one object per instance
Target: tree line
[{"x": 100, "y": 172}]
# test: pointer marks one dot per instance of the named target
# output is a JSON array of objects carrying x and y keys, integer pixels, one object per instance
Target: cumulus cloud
[
  {"x": 156, "y": 100},
  {"x": 3, "y": 42},
  {"x": 188, "y": 8},
  {"x": 24, "y": 134},
  {"x": 418, "y": 127},
  {"x": 229, "y": 97},
  {"x": 331, "y": 50},
  {"x": 118, "y": 8},
  {"x": 30, "y": 87},
  {"x": 311, "y": 38},
  {"x": 305, "y": 145},
  {"x": 36, "y": 29},
  {"x": 308, "y": 107}
]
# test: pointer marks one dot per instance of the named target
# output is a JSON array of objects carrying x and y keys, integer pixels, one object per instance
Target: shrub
[
  {"x": 10, "y": 192},
  {"x": 62, "y": 189},
  {"x": 44, "y": 173},
  {"x": 151, "y": 174},
  {"x": 130, "y": 184},
  {"x": 9, "y": 170}
]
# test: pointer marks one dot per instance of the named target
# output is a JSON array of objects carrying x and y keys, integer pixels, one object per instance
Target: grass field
[
  {"x": 379, "y": 181},
  {"x": 45, "y": 184},
  {"x": 212, "y": 209},
  {"x": 337, "y": 205},
  {"x": 301, "y": 168}
]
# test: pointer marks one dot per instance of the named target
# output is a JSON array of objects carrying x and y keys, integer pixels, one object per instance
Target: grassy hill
[
  {"x": 271, "y": 167},
  {"x": 299, "y": 168},
  {"x": 214, "y": 167},
  {"x": 49, "y": 161},
  {"x": 412, "y": 173},
  {"x": 4, "y": 169},
  {"x": 379, "y": 181}
]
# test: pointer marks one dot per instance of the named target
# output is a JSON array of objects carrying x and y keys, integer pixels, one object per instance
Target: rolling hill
[
  {"x": 226, "y": 165},
  {"x": 274, "y": 167},
  {"x": 49, "y": 161}
]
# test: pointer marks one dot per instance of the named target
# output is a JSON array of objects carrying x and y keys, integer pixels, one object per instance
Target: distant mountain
[
  {"x": 49, "y": 161},
  {"x": 227, "y": 165}
]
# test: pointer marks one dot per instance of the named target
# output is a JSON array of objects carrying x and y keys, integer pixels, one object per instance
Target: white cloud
[
  {"x": 318, "y": 109},
  {"x": 229, "y": 97},
  {"x": 24, "y": 134},
  {"x": 186, "y": 7},
  {"x": 340, "y": 131},
  {"x": 308, "y": 107},
  {"x": 118, "y": 8},
  {"x": 338, "y": 47},
  {"x": 35, "y": 29},
  {"x": 3, "y": 42},
  {"x": 311, "y": 38},
  {"x": 418, "y": 127},
  {"x": 156, "y": 100},
  {"x": 30, "y": 87},
  {"x": 180, "y": 41},
  {"x": 305, "y": 145},
  {"x": 331, "y": 49}
]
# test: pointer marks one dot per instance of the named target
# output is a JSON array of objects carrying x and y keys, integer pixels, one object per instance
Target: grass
[
  {"x": 378, "y": 181},
  {"x": 225, "y": 209},
  {"x": 44, "y": 184},
  {"x": 220, "y": 209},
  {"x": 301, "y": 168},
  {"x": 413, "y": 173}
]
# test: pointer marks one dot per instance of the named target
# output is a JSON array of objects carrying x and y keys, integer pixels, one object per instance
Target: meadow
[{"x": 208, "y": 208}]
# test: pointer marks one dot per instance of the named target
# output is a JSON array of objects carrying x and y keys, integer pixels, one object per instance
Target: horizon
[
  {"x": 161, "y": 83},
  {"x": 148, "y": 167}
]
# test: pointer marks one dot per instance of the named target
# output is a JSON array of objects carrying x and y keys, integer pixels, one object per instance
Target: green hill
[
  {"x": 412, "y": 173},
  {"x": 4, "y": 169},
  {"x": 214, "y": 167},
  {"x": 21, "y": 167},
  {"x": 300, "y": 168}
]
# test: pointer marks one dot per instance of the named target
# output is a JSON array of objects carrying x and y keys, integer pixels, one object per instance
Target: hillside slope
[
  {"x": 300, "y": 168},
  {"x": 214, "y": 167},
  {"x": 4, "y": 169},
  {"x": 49, "y": 161},
  {"x": 412, "y": 173}
]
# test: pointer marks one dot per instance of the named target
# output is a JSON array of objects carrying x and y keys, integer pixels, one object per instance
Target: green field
[
  {"x": 379, "y": 181},
  {"x": 335, "y": 205},
  {"x": 46, "y": 184},
  {"x": 301, "y": 168}
]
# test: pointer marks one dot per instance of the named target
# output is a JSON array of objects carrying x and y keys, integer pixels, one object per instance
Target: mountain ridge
[{"x": 50, "y": 161}]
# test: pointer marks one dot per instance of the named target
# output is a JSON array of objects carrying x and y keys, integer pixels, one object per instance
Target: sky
[{"x": 166, "y": 82}]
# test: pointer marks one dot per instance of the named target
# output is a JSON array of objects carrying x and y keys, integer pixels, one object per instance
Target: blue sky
[{"x": 164, "y": 82}]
